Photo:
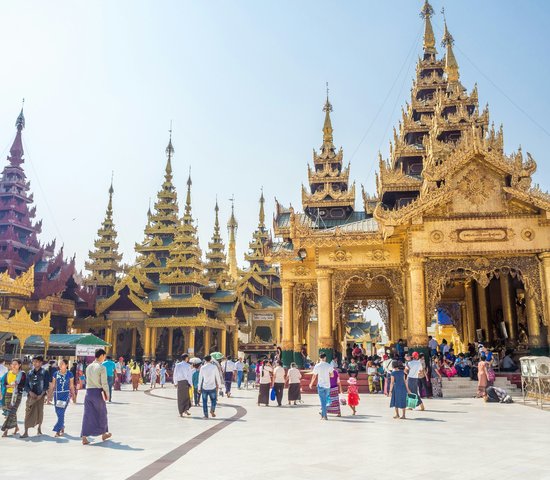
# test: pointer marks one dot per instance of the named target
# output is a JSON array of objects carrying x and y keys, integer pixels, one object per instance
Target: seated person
[
  {"x": 447, "y": 368},
  {"x": 461, "y": 365},
  {"x": 508, "y": 364},
  {"x": 353, "y": 368}
]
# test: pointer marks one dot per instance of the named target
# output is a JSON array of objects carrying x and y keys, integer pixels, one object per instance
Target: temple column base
[
  {"x": 298, "y": 359},
  {"x": 287, "y": 357}
]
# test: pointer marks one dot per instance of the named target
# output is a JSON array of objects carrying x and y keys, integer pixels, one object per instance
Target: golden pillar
[
  {"x": 223, "y": 341},
  {"x": 147, "y": 345},
  {"x": 109, "y": 337},
  {"x": 417, "y": 333},
  {"x": 190, "y": 340},
  {"x": 508, "y": 308},
  {"x": 287, "y": 342},
  {"x": 153, "y": 342},
  {"x": 278, "y": 324},
  {"x": 134, "y": 342},
  {"x": 536, "y": 343},
  {"x": 207, "y": 340},
  {"x": 483, "y": 312},
  {"x": 236, "y": 341},
  {"x": 114, "y": 335},
  {"x": 325, "y": 311},
  {"x": 545, "y": 267},
  {"x": 469, "y": 333},
  {"x": 170, "y": 342}
]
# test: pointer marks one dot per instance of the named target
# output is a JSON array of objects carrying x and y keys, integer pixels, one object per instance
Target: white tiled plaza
[{"x": 452, "y": 439}]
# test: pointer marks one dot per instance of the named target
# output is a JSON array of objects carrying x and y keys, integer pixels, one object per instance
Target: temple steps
[{"x": 465, "y": 388}]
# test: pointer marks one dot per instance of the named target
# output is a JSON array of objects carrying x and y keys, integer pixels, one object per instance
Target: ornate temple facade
[
  {"x": 455, "y": 226},
  {"x": 171, "y": 300},
  {"x": 50, "y": 291}
]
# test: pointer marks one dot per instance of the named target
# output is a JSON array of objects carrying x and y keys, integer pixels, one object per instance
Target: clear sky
[{"x": 244, "y": 84}]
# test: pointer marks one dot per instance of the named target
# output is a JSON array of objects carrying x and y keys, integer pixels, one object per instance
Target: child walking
[{"x": 353, "y": 394}]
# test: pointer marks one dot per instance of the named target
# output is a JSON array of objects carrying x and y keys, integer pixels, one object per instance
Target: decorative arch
[{"x": 439, "y": 272}]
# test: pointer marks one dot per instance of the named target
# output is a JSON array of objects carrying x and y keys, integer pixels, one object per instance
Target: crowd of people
[{"x": 405, "y": 378}]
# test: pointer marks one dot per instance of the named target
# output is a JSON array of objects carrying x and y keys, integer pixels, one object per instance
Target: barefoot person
[
  {"x": 398, "y": 389},
  {"x": 322, "y": 372},
  {"x": 14, "y": 384},
  {"x": 36, "y": 386},
  {"x": 210, "y": 381},
  {"x": 183, "y": 379},
  {"x": 62, "y": 387},
  {"x": 94, "y": 422}
]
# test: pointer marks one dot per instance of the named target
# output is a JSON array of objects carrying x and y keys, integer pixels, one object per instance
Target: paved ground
[{"x": 452, "y": 439}]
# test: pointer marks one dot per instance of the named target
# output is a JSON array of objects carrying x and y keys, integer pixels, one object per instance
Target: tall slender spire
[
  {"x": 216, "y": 265},
  {"x": 451, "y": 65},
  {"x": 429, "y": 37},
  {"x": 232, "y": 226},
  {"x": 16, "y": 150},
  {"x": 188, "y": 198},
  {"x": 262, "y": 210},
  {"x": 327, "y": 126},
  {"x": 169, "y": 154}
]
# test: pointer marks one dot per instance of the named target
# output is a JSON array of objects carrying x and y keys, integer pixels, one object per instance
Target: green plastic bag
[{"x": 412, "y": 400}]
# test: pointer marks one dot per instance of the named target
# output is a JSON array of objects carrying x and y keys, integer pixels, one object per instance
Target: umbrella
[
  {"x": 217, "y": 355},
  {"x": 195, "y": 360}
]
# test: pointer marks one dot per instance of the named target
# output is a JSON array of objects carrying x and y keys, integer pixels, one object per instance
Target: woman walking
[
  {"x": 279, "y": 382},
  {"x": 335, "y": 390},
  {"x": 266, "y": 382},
  {"x": 62, "y": 387},
  {"x": 153, "y": 372},
  {"x": 162, "y": 375},
  {"x": 482, "y": 378},
  {"x": 135, "y": 373},
  {"x": 398, "y": 389},
  {"x": 293, "y": 378},
  {"x": 437, "y": 385},
  {"x": 14, "y": 384}
]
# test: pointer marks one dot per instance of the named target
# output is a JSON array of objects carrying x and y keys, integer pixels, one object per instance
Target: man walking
[
  {"x": 228, "y": 368},
  {"x": 322, "y": 372},
  {"x": 94, "y": 421},
  {"x": 239, "y": 367},
  {"x": 110, "y": 367},
  {"x": 36, "y": 386},
  {"x": 183, "y": 379},
  {"x": 209, "y": 382}
]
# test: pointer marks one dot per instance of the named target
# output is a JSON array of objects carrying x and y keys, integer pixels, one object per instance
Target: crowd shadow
[{"x": 115, "y": 446}]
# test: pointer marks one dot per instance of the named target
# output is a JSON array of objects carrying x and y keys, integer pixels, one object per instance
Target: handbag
[
  {"x": 60, "y": 403},
  {"x": 273, "y": 394}
]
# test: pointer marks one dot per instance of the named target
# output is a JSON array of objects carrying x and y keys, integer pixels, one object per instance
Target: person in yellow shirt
[
  {"x": 14, "y": 383},
  {"x": 135, "y": 372}
]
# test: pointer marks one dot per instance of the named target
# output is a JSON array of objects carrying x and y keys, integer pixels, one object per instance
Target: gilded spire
[
  {"x": 429, "y": 37},
  {"x": 188, "y": 198},
  {"x": 451, "y": 65},
  {"x": 232, "y": 226},
  {"x": 169, "y": 154},
  {"x": 327, "y": 126},
  {"x": 216, "y": 265},
  {"x": 110, "y": 204},
  {"x": 262, "y": 210}
]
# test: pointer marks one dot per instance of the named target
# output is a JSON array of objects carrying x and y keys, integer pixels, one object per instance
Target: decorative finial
[
  {"x": 429, "y": 37},
  {"x": 20, "y": 122},
  {"x": 327, "y": 127},
  {"x": 451, "y": 65},
  {"x": 169, "y": 149},
  {"x": 111, "y": 189},
  {"x": 328, "y": 106},
  {"x": 262, "y": 209}
]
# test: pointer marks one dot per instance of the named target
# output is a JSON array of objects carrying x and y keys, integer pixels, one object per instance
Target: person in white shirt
[
  {"x": 209, "y": 382},
  {"x": 432, "y": 345},
  {"x": 414, "y": 368},
  {"x": 279, "y": 382},
  {"x": 266, "y": 382},
  {"x": 322, "y": 372},
  {"x": 239, "y": 367},
  {"x": 3, "y": 368},
  {"x": 228, "y": 368},
  {"x": 183, "y": 379},
  {"x": 293, "y": 378}
]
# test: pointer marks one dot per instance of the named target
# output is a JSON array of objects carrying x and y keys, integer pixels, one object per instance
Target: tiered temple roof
[
  {"x": 104, "y": 261},
  {"x": 19, "y": 245},
  {"x": 216, "y": 266},
  {"x": 330, "y": 196}
]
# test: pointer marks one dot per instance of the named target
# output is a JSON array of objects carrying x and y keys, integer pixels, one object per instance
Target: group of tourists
[{"x": 41, "y": 385}]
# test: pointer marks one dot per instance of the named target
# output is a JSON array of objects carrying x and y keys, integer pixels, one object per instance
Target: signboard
[
  {"x": 263, "y": 317},
  {"x": 86, "y": 350}
]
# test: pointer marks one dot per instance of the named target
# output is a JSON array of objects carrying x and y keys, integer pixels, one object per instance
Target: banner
[{"x": 86, "y": 350}]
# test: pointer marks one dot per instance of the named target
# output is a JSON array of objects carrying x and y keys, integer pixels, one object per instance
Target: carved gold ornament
[
  {"x": 379, "y": 255},
  {"x": 436, "y": 236},
  {"x": 340, "y": 256},
  {"x": 528, "y": 234},
  {"x": 475, "y": 188},
  {"x": 301, "y": 271}
]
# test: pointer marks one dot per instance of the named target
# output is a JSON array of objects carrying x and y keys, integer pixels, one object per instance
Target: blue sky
[{"x": 244, "y": 84}]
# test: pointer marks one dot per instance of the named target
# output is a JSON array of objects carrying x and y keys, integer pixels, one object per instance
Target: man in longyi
[{"x": 36, "y": 386}]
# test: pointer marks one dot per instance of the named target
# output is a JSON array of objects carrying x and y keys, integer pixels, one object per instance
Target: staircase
[
  {"x": 362, "y": 382},
  {"x": 460, "y": 387}
]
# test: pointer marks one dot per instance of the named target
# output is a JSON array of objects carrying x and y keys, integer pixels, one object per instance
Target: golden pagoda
[
  {"x": 104, "y": 263},
  {"x": 455, "y": 226},
  {"x": 217, "y": 269}
]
